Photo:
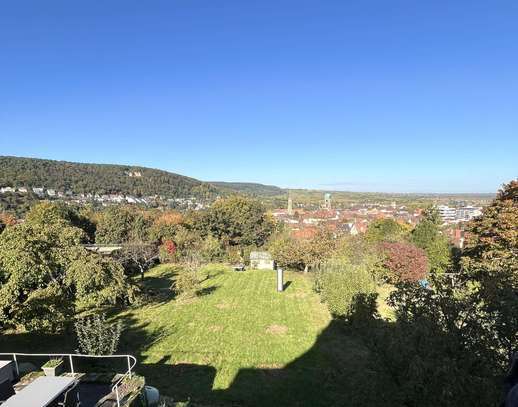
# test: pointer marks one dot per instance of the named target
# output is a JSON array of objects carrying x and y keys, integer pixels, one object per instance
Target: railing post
[
  {"x": 16, "y": 365},
  {"x": 71, "y": 363},
  {"x": 129, "y": 366}
]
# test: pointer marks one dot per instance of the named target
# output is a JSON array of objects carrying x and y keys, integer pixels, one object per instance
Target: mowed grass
[
  {"x": 240, "y": 343},
  {"x": 239, "y": 321}
]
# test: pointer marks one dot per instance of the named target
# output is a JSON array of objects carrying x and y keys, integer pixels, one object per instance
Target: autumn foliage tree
[
  {"x": 165, "y": 226},
  {"x": 6, "y": 219},
  {"x": 490, "y": 263},
  {"x": 404, "y": 262}
]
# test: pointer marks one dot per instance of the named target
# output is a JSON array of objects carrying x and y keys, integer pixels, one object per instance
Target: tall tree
[
  {"x": 97, "y": 281},
  {"x": 34, "y": 256},
  {"x": 122, "y": 224},
  {"x": 490, "y": 263},
  {"x": 427, "y": 236},
  {"x": 45, "y": 272},
  {"x": 386, "y": 230},
  {"x": 239, "y": 220}
]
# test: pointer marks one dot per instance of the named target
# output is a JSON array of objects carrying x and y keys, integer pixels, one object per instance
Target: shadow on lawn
[
  {"x": 349, "y": 365},
  {"x": 334, "y": 368}
]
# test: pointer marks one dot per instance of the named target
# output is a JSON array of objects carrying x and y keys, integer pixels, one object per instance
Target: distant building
[
  {"x": 327, "y": 201},
  {"x": 38, "y": 191},
  {"x": 447, "y": 214},
  {"x": 261, "y": 261},
  {"x": 467, "y": 213},
  {"x": 349, "y": 228},
  {"x": 290, "y": 206}
]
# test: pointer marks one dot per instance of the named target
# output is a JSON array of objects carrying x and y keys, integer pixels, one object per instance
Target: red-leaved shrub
[{"x": 405, "y": 262}]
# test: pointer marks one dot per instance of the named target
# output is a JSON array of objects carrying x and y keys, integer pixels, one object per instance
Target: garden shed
[{"x": 261, "y": 261}]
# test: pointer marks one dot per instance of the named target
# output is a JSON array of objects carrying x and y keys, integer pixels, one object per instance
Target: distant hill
[
  {"x": 99, "y": 178},
  {"x": 250, "y": 188},
  {"x": 103, "y": 179}
]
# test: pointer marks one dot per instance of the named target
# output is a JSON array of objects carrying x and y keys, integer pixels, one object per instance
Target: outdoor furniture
[
  {"x": 6, "y": 390},
  {"x": 42, "y": 392},
  {"x": 71, "y": 398},
  {"x": 6, "y": 370}
]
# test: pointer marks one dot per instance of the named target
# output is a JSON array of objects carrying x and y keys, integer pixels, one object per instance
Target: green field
[{"x": 239, "y": 342}]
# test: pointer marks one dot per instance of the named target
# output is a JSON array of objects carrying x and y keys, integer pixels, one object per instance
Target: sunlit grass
[{"x": 242, "y": 322}]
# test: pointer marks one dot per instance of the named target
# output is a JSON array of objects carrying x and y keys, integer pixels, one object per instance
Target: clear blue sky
[{"x": 409, "y": 96}]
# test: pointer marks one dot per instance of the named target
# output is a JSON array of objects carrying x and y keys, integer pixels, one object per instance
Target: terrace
[{"x": 72, "y": 380}]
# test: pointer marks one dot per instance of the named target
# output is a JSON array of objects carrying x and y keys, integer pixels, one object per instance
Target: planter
[{"x": 53, "y": 367}]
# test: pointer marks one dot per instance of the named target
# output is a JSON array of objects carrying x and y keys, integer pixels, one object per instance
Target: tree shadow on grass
[
  {"x": 365, "y": 362},
  {"x": 206, "y": 291}
]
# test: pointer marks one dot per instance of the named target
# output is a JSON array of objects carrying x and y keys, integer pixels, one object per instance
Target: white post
[
  {"x": 129, "y": 366},
  {"x": 71, "y": 363},
  {"x": 16, "y": 365},
  {"x": 280, "y": 282}
]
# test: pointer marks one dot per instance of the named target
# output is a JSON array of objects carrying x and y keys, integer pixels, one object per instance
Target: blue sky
[{"x": 407, "y": 96}]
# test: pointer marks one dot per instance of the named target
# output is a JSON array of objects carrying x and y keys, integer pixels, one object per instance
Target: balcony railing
[{"x": 131, "y": 362}]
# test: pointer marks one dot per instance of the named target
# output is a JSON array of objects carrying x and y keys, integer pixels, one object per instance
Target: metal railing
[{"x": 132, "y": 361}]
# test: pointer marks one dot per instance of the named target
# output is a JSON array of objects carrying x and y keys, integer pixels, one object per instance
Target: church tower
[{"x": 290, "y": 205}]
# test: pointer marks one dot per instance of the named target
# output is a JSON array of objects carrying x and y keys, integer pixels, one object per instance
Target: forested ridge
[{"x": 99, "y": 178}]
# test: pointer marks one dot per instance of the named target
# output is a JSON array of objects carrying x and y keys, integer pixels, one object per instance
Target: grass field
[
  {"x": 239, "y": 342},
  {"x": 238, "y": 322}
]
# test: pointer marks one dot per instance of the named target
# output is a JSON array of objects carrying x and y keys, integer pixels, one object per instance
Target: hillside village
[
  {"x": 305, "y": 223},
  {"x": 193, "y": 203}
]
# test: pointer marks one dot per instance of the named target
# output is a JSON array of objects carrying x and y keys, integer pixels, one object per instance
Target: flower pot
[{"x": 55, "y": 370}]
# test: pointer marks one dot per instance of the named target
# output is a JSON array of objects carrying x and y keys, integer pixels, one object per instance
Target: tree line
[
  {"x": 455, "y": 319},
  {"x": 100, "y": 179}
]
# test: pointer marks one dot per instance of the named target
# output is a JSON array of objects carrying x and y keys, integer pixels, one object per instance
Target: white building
[
  {"x": 467, "y": 213},
  {"x": 447, "y": 214}
]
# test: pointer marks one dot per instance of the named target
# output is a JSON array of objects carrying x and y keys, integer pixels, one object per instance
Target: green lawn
[{"x": 240, "y": 343}]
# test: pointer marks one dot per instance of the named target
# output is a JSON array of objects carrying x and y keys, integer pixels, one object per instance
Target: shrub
[
  {"x": 187, "y": 282},
  {"x": 233, "y": 254},
  {"x": 286, "y": 251},
  {"x": 211, "y": 249},
  {"x": 340, "y": 283},
  {"x": 96, "y": 336},
  {"x": 167, "y": 252},
  {"x": 405, "y": 262}
]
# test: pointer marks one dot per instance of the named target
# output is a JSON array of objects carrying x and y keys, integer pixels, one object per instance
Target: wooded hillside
[{"x": 99, "y": 178}]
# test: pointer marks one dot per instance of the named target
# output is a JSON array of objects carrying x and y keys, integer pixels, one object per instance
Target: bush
[
  {"x": 405, "y": 262},
  {"x": 96, "y": 336},
  {"x": 233, "y": 254},
  {"x": 167, "y": 252},
  {"x": 286, "y": 251},
  {"x": 211, "y": 249},
  {"x": 340, "y": 283},
  {"x": 187, "y": 282}
]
